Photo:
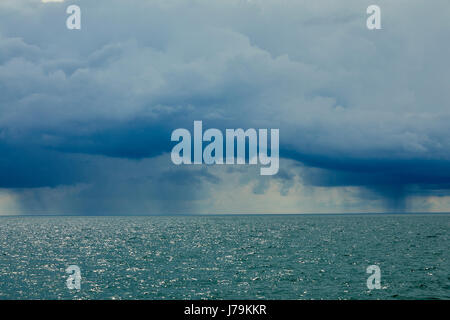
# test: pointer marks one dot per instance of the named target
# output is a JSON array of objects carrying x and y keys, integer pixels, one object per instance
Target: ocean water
[{"x": 226, "y": 257}]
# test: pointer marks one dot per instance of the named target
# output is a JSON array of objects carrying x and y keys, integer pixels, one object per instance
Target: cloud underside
[{"x": 86, "y": 115}]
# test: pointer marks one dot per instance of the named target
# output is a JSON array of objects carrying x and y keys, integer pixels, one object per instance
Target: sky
[{"x": 86, "y": 115}]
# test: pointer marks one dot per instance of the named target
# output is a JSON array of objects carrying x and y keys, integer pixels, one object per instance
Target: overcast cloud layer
[{"x": 86, "y": 116}]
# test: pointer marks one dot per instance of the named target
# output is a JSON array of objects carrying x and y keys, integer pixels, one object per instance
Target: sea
[{"x": 226, "y": 257}]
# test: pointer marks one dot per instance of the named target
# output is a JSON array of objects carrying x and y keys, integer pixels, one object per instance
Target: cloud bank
[{"x": 86, "y": 115}]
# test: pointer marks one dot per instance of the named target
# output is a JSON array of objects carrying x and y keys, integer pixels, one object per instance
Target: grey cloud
[{"x": 369, "y": 109}]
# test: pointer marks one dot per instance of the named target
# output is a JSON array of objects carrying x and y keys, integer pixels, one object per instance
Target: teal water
[{"x": 226, "y": 257}]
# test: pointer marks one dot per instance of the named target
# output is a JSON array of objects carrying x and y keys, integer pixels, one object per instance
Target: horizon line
[{"x": 226, "y": 214}]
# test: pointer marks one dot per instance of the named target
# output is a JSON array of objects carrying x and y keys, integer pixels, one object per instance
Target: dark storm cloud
[
  {"x": 135, "y": 139},
  {"x": 349, "y": 171},
  {"x": 355, "y": 107},
  {"x": 24, "y": 166},
  {"x": 394, "y": 180}
]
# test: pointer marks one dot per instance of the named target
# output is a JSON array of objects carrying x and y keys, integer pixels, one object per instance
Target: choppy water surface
[{"x": 225, "y": 257}]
